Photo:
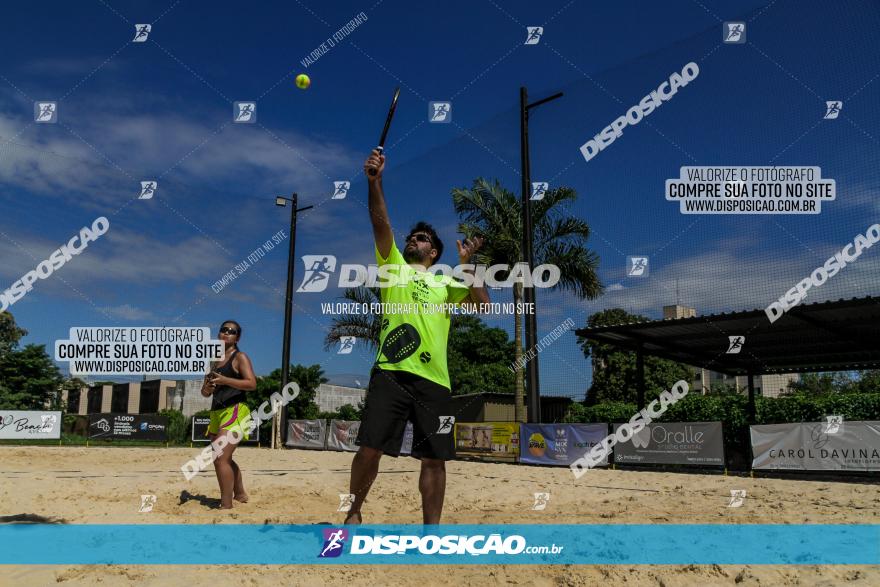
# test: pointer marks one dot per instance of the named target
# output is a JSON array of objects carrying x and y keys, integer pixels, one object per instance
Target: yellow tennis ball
[{"x": 303, "y": 81}]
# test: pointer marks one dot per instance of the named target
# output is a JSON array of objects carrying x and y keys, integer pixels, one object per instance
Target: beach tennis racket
[
  {"x": 400, "y": 343},
  {"x": 391, "y": 110}
]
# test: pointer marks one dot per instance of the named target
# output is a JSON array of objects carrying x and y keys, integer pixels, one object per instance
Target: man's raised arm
[{"x": 378, "y": 212}]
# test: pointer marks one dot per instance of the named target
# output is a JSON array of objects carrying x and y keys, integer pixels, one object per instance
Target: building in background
[
  {"x": 142, "y": 397},
  {"x": 332, "y": 397}
]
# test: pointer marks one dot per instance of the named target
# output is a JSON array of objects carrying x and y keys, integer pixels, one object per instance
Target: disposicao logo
[{"x": 334, "y": 541}]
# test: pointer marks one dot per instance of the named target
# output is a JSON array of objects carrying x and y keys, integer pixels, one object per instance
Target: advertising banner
[
  {"x": 342, "y": 435},
  {"x": 200, "y": 429},
  {"x": 487, "y": 439},
  {"x": 673, "y": 443},
  {"x": 128, "y": 426},
  {"x": 559, "y": 444},
  {"x": 306, "y": 433},
  {"x": 30, "y": 425},
  {"x": 817, "y": 446}
]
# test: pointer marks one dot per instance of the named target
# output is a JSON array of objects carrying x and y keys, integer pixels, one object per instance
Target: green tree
[
  {"x": 722, "y": 389},
  {"x": 346, "y": 412},
  {"x": 29, "y": 380},
  {"x": 614, "y": 371},
  {"x": 822, "y": 384},
  {"x": 304, "y": 406},
  {"x": 364, "y": 327},
  {"x": 869, "y": 382},
  {"x": 559, "y": 239},
  {"x": 478, "y": 357},
  {"x": 10, "y": 333}
]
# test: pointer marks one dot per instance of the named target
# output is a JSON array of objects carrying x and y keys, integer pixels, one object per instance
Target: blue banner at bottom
[{"x": 620, "y": 544}]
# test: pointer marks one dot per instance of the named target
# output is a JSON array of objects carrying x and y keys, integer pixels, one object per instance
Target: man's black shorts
[{"x": 394, "y": 397}]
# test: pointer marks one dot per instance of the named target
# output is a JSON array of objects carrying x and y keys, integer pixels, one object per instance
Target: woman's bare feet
[
  {"x": 349, "y": 520},
  {"x": 242, "y": 497}
]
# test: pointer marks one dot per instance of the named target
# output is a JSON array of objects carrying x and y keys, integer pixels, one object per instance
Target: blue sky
[{"x": 162, "y": 110}]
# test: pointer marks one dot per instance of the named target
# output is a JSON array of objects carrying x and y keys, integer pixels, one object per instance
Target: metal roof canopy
[{"x": 838, "y": 335}]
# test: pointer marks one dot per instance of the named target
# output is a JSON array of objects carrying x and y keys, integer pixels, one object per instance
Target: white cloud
[{"x": 127, "y": 312}]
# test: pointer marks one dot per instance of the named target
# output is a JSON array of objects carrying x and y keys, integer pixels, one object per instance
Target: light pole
[
  {"x": 534, "y": 402},
  {"x": 288, "y": 302}
]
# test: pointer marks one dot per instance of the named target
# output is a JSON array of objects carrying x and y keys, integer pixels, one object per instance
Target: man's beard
[{"x": 415, "y": 256}]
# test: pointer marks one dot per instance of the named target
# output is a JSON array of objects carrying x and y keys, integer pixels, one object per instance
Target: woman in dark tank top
[{"x": 227, "y": 385}]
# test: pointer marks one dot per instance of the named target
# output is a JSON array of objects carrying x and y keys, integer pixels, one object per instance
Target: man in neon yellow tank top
[{"x": 410, "y": 380}]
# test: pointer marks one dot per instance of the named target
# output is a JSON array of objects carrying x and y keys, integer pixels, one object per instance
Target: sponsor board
[
  {"x": 342, "y": 435},
  {"x": 487, "y": 439},
  {"x": 30, "y": 424},
  {"x": 559, "y": 444},
  {"x": 128, "y": 426},
  {"x": 674, "y": 443},
  {"x": 306, "y": 433},
  {"x": 810, "y": 446}
]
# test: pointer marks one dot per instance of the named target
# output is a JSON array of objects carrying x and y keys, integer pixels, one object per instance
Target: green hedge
[
  {"x": 732, "y": 411},
  {"x": 177, "y": 426}
]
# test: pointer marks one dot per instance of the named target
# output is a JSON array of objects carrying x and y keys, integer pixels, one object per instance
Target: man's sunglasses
[
  {"x": 422, "y": 238},
  {"x": 227, "y": 330}
]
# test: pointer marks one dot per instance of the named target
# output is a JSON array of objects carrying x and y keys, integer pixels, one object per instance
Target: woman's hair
[{"x": 237, "y": 326}]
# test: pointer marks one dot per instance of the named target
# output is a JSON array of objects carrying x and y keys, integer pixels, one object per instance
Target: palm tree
[
  {"x": 366, "y": 327},
  {"x": 559, "y": 239}
]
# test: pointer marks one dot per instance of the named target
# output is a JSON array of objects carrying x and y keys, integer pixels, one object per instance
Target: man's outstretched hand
[
  {"x": 468, "y": 248},
  {"x": 374, "y": 161}
]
